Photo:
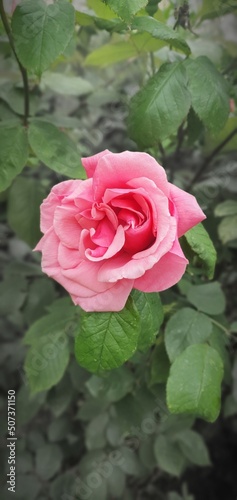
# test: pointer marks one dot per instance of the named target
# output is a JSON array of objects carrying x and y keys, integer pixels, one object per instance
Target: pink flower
[{"x": 116, "y": 231}]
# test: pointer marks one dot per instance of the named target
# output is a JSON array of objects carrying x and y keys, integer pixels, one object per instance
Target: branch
[
  {"x": 209, "y": 159},
  {"x": 22, "y": 69}
]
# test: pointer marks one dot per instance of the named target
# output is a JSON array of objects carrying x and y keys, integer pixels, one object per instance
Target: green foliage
[
  {"x": 212, "y": 106},
  {"x": 164, "y": 96},
  {"x": 162, "y": 32},
  {"x": 25, "y": 197},
  {"x": 199, "y": 242},
  {"x": 14, "y": 153},
  {"x": 35, "y": 26},
  {"x": 151, "y": 317},
  {"x": 107, "y": 340},
  {"x": 184, "y": 328},
  {"x": 101, "y": 422},
  {"x": 194, "y": 384},
  {"x": 55, "y": 149},
  {"x": 126, "y": 9}
]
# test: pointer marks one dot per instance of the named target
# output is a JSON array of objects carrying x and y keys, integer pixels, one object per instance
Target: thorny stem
[
  {"x": 209, "y": 158},
  {"x": 22, "y": 69}
]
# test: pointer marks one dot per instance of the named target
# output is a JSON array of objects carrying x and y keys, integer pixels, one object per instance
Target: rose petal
[
  {"x": 66, "y": 226},
  {"x": 68, "y": 258},
  {"x": 166, "y": 273},
  {"x": 90, "y": 163},
  {"x": 186, "y": 209},
  {"x": 113, "y": 299},
  {"x": 48, "y": 245},
  {"x": 115, "y": 170}
]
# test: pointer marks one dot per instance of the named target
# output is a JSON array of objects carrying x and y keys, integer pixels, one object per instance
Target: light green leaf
[
  {"x": 193, "y": 447},
  {"x": 207, "y": 298},
  {"x": 169, "y": 458},
  {"x": 14, "y": 153},
  {"x": 159, "y": 108},
  {"x": 42, "y": 32},
  {"x": 151, "y": 313},
  {"x": 200, "y": 243},
  {"x": 101, "y": 10},
  {"x": 228, "y": 207},
  {"x": 161, "y": 31},
  {"x": 160, "y": 364},
  {"x": 25, "y": 198},
  {"x": 48, "y": 460},
  {"x": 55, "y": 149},
  {"x": 208, "y": 89},
  {"x": 107, "y": 340},
  {"x": 194, "y": 384},
  {"x": 126, "y": 9},
  {"x": 227, "y": 229},
  {"x": 65, "y": 84},
  {"x": 184, "y": 328},
  {"x": 115, "y": 52}
]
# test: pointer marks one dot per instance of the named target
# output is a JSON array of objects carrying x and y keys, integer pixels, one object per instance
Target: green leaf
[
  {"x": 200, "y": 243},
  {"x": 228, "y": 207},
  {"x": 208, "y": 89},
  {"x": 193, "y": 447},
  {"x": 160, "y": 364},
  {"x": 227, "y": 229},
  {"x": 129, "y": 462},
  {"x": 48, "y": 356},
  {"x": 59, "y": 320},
  {"x": 151, "y": 313},
  {"x": 107, "y": 340},
  {"x": 94, "y": 439},
  {"x": 14, "y": 154},
  {"x": 219, "y": 341},
  {"x": 115, "y": 52},
  {"x": 101, "y": 9},
  {"x": 194, "y": 384},
  {"x": 55, "y": 149},
  {"x": 42, "y": 32},
  {"x": 25, "y": 198},
  {"x": 112, "y": 387},
  {"x": 126, "y": 9},
  {"x": 48, "y": 460},
  {"x": 28, "y": 405},
  {"x": 184, "y": 328},
  {"x": 65, "y": 84},
  {"x": 207, "y": 298},
  {"x": 159, "y": 108},
  {"x": 161, "y": 31},
  {"x": 168, "y": 455}
]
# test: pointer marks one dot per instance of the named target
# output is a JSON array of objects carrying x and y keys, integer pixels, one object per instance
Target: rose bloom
[{"x": 116, "y": 231}]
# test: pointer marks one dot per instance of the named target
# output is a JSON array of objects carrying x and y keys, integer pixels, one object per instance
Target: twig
[
  {"x": 22, "y": 69},
  {"x": 209, "y": 159}
]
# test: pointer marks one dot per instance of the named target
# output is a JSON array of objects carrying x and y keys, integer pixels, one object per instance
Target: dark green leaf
[
  {"x": 184, "y": 328},
  {"x": 200, "y": 243},
  {"x": 209, "y": 93},
  {"x": 25, "y": 198},
  {"x": 48, "y": 460},
  {"x": 160, "y": 364},
  {"x": 159, "y": 108},
  {"x": 14, "y": 154},
  {"x": 55, "y": 149},
  {"x": 151, "y": 313},
  {"x": 227, "y": 229},
  {"x": 228, "y": 207},
  {"x": 194, "y": 384},
  {"x": 107, "y": 340},
  {"x": 42, "y": 32},
  {"x": 113, "y": 386}
]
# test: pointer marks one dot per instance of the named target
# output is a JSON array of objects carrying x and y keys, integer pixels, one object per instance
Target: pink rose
[{"x": 116, "y": 231}]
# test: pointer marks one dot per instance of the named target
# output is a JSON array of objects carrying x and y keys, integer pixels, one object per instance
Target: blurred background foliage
[{"x": 67, "y": 432}]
